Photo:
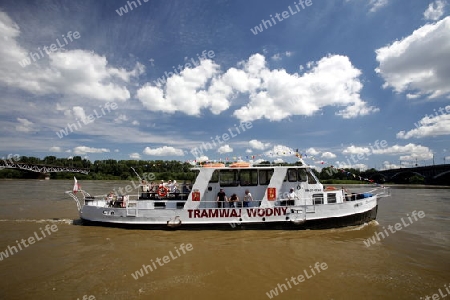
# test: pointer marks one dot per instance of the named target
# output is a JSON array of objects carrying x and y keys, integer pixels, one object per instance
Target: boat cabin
[{"x": 268, "y": 185}]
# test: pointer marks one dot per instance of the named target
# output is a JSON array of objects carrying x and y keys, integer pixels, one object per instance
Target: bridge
[
  {"x": 10, "y": 164},
  {"x": 431, "y": 174}
]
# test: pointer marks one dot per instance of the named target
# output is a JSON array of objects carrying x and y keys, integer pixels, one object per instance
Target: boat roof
[{"x": 246, "y": 165}]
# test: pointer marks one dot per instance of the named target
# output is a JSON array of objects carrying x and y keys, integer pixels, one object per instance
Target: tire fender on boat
[{"x": 175, "y": 222}]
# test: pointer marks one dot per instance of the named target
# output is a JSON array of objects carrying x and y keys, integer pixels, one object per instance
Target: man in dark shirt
[{"x": 221, "y": 199}]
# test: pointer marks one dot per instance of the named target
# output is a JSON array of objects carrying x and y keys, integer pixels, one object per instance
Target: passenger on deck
[
  {"x": 110, "y": 199},
  {"x": 145, "y": 190},
  {"x": 234, "y": 199},
  {"x": 221, "y": 199},
  {"x": 292, "y": 195},
  {"x": 185, "y": 188},
  {"x": 175, "y": 188},
  {"x": 346, "y": 193},
  {"x": 170, "y": 185},
  {"x": 247, "y": 198}
]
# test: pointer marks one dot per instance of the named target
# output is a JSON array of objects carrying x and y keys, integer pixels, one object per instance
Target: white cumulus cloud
[
  {"x": 55, "y": 149},
  {"x": 328, "y": 155},
  {"x": 435, "y": 10},
  {"x": 135, "y": 156},
  {"x": 71, "y": 72},
  {"x": 312, "y": 151},
  {"x": 225, "y": 149},
  {"x": 274, "y": 94},
  {"x": 428, "y": 126},
  {"x": 163, "y": 151},
  {"x": 279, "y": 151},
  {"x": 356, "y": 150},
  {"x": 377, "y": 4},
  {"x": 25, "y": 126},
  {"x": 258, "y": 145},
  {"x": 82, "y": 150},
  {"x": 419, "y": 63},
  {"x": 407, "y": 152},
  {"x": 332, "y": 81}
]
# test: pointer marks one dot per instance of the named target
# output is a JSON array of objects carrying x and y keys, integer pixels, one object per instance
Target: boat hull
[{"x": 286, "y": 218}]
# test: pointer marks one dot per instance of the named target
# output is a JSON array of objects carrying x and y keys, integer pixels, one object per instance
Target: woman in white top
[{"x": 247, "y": 198}]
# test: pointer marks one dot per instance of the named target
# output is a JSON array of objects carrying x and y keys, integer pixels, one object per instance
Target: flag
[{"x": 76, "y": 186}]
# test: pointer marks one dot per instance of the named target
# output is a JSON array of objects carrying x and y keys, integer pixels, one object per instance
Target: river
[{"x": 71, "y": 261}]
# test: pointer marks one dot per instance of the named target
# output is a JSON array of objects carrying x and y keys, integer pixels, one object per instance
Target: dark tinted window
[
  {"x": 228, "y": 177},
  {"x": 248, "y": 177},
  {"x": 292, "y": 175},
  {"x": 215, "y": 176},
  {"x": 302, "y": 175},
  {"x": 318, "y": 198},
  {"x": 331, "y": 198},
  {"x": 265, "y": 176}
]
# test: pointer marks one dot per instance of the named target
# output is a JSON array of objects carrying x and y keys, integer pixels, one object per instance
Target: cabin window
[
  {"x": 265, "y": 176},
  {"x": 228, "y": 178},
  {"x": 331, "y": 198},
  {"x": 302, "y": 175},
  {"x": 311, "y": 178},
  {"x": 215, "y": 176},
  {"x": 317, "y": 199},
  {"x": 292, "y": 175},
  {"x": 248, "y": 177}
]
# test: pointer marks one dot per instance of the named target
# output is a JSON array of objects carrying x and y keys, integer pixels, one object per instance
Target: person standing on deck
[
  {"x": 234, "y": 199},
  {"x": 247, "y": 198},
  {"x": 292, "y": 195},
  {"x": 221, "y": 199}
]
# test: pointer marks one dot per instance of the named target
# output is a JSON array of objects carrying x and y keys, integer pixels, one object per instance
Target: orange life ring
[
  {"x": 330, "y": 188},
  {"x": 162, "y": 191}
]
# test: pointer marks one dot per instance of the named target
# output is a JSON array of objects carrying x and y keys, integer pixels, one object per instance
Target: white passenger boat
[{"x": 266, "y": 196}]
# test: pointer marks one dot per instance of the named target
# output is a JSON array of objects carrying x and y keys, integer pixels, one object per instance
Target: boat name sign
[{"x": 236, "y": 213}]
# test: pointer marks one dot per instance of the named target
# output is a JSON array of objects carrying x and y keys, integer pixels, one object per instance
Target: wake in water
[
  {"x": 58, "y": 221},
  {"x": 372, "y": 223}
]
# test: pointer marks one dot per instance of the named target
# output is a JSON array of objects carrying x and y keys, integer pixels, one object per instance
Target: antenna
[{"x": 139, "y": 177}]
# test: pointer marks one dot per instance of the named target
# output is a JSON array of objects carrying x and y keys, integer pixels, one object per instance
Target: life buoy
[
  {"x": 162, "y": 191},
  {"x": 330, "y": 188}
]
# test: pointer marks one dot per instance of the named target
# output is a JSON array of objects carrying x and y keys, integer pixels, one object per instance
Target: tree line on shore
[{"x": 111, "y": 169}]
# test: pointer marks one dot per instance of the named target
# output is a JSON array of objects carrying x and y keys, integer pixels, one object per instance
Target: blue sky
[{"x": 348, "y": 83}]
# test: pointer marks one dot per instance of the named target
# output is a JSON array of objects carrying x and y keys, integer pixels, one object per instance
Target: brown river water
[{"x": 71, "y": 261}]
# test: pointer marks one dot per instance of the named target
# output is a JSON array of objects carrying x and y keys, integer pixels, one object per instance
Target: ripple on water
[{"x": 57, "y": 221}]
